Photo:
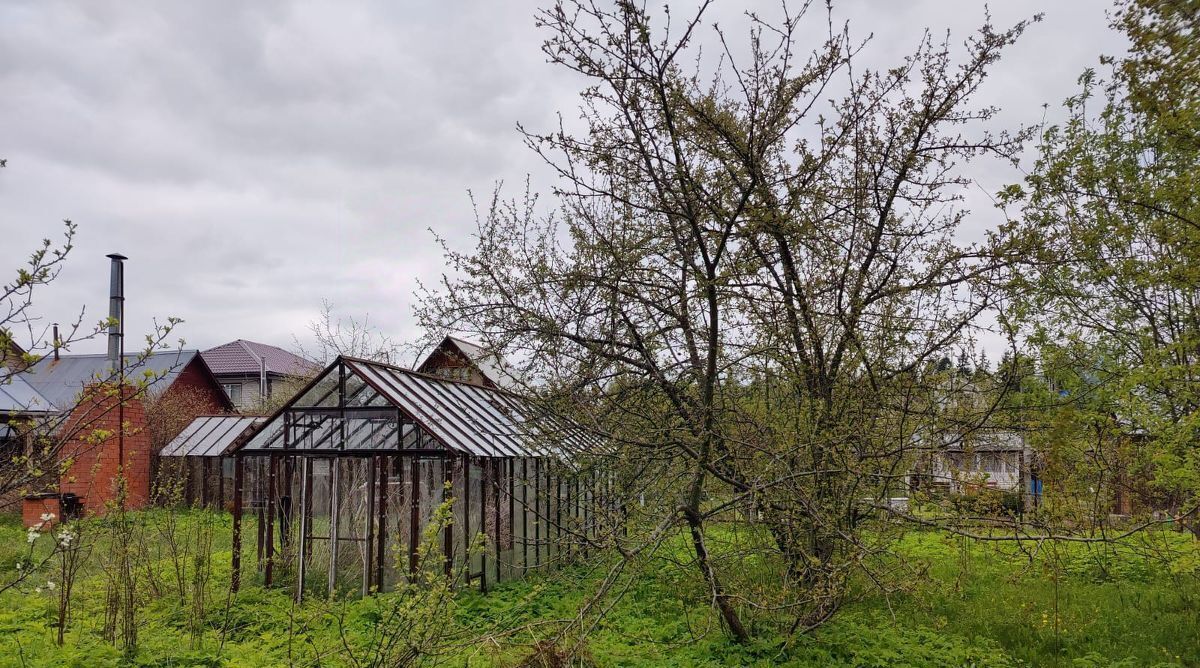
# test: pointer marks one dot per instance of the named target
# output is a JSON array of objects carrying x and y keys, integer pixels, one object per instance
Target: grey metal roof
[
  {"x": 61, "y": 381},
  {"x": 464, "y": 417},
  {"x": 479, "y": 420},
  {"x": 209, "y": 435},
  {"x": 18, "y": 396}
]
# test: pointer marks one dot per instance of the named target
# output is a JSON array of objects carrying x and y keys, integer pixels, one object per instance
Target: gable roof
[
  {"x": 493, "y": 367},
  {"x": 9, "y": 346},
  {"x": 61, "y": 380},
  {"x": 19, "y": 397},
  {"x": 245, "y": 357},
  {"x": 464, "y": 417},
  {"x": 988, "y": 440}
]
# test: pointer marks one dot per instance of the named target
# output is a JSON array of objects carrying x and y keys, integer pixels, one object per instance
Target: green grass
[
  {"x": 1112, "y": 604},
  {"x": 974, "y": 604}
]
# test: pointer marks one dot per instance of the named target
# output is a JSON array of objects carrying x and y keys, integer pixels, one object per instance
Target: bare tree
[
  {"x": 24, "y": 335},
  {"x": 744, "y": 283},
  {"x": 334, "y": 335}
]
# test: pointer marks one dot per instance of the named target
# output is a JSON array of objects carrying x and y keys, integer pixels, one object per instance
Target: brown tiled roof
[{"x": 243, "y": 357}]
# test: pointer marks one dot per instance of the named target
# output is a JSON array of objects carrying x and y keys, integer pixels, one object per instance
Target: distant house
[
  {"x": 249, "y": 371},
  {"x": 468, "y": 362},
  {"x": 20, "y": 403},
  {"x": 12, "y": 356},
  {"x": 998, "y": 459}
]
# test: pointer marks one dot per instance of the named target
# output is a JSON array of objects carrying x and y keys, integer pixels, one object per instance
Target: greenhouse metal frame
[
  {"x": 344, "y": 480},
  {"x": 198, "y": 459}
]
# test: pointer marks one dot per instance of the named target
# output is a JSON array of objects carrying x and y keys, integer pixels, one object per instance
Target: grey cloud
[{"x": 254, "y": 158}]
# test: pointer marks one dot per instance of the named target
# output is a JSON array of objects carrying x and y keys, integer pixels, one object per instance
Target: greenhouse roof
[
  {"x": 357, "y": 406},
  {"x": 209, "y": 435}
]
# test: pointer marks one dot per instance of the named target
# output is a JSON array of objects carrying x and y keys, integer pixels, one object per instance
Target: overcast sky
[{"x": 254, "y": 158}]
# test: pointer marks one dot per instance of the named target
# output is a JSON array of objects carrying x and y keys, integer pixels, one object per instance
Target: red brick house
[
  {"x": 97, "y": 449},
  {"x": 164, "y": 391}
]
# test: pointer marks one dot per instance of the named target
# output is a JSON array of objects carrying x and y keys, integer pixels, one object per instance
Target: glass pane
[
  {"x": 323, "y": 393},
  {"x": 317, "y": 508}
]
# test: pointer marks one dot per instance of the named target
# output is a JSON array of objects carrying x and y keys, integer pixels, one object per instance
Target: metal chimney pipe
[
  {"x": 116, "y": 309},
  {"x": 262, "y": 378},
  {"x": 57, "y": 342}
]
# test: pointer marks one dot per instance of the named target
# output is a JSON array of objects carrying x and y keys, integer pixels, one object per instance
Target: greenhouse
[
  {"x": 341, "y": 483},
  {"x": 198, "y": 461}
]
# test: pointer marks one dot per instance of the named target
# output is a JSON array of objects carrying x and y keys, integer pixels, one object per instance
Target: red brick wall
[
  {"x": 33, "y": 508},
  {"x": 193, "y": 379},
  {"x": 92, "y": 451}
]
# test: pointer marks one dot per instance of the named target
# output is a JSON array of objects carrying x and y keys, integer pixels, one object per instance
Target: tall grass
[{"x": 967, "y": 603}]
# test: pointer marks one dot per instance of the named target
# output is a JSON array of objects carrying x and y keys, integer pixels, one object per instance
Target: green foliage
[
  {"x": 1109, "y": 300},
  {"x": 971, "y": 604},
  {"x": 988, "y": 501},
  {"x": 1110, "y": 604}
]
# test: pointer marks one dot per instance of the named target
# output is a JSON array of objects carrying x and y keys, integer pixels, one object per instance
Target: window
[
  {"x": 457, "y": 372},
  {"x": 992, "y": 462},
  {"x": 233, "y": 391}
]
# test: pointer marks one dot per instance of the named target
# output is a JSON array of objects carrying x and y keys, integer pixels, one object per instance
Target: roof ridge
[
  {"x": 247, "y": 344},
  {"x": 139, "y": 353},
  {"x": 271, "y": 346},
  {"x": 242, "y": 343},
  {"x": 480, "y": 349}
]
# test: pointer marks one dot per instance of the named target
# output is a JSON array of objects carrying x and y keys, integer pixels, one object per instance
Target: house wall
[
  {"x": 34, "y": 508},
  {"x": 18, "y": 445},
  {"x": 194, "y": 379},
  {"x": 92, "y": 451},
  {"x": 193, "y": 393},
  {"x": 250, "y": 394},
  {"x": 959, "y": 470},
  {"x": 12, "y": 357},
  {"x": 447, "y": 365}
]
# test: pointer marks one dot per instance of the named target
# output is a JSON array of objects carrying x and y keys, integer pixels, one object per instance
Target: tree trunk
[{"x": 724, "y": 605}]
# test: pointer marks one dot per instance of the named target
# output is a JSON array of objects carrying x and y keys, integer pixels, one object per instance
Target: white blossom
[
  {"x": 32, "y": 535},
  {"x": 47, "y": 517}
]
